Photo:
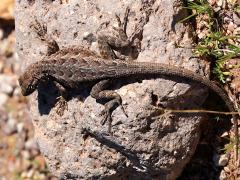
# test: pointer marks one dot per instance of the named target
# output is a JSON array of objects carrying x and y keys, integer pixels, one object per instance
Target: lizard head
[{"x": 27, "y": 83}]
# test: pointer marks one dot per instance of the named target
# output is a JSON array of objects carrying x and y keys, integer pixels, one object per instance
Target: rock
[
  {"x": 25, "y": 154},
  {"x": 3, "y": 145},
  {"x": 37, "y": 175},
  {"x": 6, "y": 9},
  {"x": 1, "y": 65},
  {"x": 40, "y": 162},
  {"x": 1, "y": 36},
  {"x": 141, "y": 147},
  {"x": 231, "y": 27},
  {"x": 20, "y": 127},
  {"x": 31, "y": 144},
  {"x": 7, "y": 83},
  {"x": 212, "y": 2},
  {"x": 17, "y": 91},
  {"x": 3, "y": 99},
  {"x": 223, "y": 160},
  {"x": 220, "y": 2},
  {"x": 20, "y": 144},
  {"x": 30, "y": 174},
  {"x": 3, "y": 115},
  {"x": 7, "y": 48},
  {"x": 236, "y": 19},
  {"x": 232, "y": 2},
  {"x": 223, "y": 176},
  {"x": 226, "y": 169},
  {"x": 10, "y": 127}
]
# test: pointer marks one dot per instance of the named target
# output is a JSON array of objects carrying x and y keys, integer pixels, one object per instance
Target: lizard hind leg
[
  {"x": 113, "y": 98},
  {"x": 113, "y": 38},
  {"x": 122, "y": 25}
]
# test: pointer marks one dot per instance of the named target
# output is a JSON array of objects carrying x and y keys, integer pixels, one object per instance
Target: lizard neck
[{"x": 39, "y": 72}]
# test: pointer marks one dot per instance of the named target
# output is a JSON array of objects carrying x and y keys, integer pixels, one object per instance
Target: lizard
[{"x": 70, "y": 68}]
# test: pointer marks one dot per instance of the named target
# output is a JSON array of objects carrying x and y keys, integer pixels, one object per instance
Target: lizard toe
[
  {"x": 106, "y": 117},
  {"x": 61, "y": 106}
]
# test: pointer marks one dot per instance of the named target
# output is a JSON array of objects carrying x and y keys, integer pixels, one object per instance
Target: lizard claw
[
  {"x": 124, "y": 112},
  {"x": 107, "y": 118},
  {"x": 61, "y": 106}
]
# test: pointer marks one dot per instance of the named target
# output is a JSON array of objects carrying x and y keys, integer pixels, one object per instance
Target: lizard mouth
[
  {"x": 23, "y": 90},
  {"x": 24, "y": 93}
]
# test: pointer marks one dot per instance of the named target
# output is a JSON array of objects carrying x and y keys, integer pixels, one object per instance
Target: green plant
[
  {"x": 230, "y": 146},
  {"x": 237, "y": 8},
  {"x": 217, "y": 46},
  {"x": 214, "y": 45},
  {"x": 197, "y": 8}
]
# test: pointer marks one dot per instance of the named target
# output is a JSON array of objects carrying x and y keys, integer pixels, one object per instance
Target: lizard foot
[
  {"x": 41, "y": 31},
  {"x": 61, "y": 106},
  {"x": 107, "y": 118}
]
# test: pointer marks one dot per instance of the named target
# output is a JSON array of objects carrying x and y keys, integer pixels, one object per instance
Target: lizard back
[{"x": 71, "y": 67}]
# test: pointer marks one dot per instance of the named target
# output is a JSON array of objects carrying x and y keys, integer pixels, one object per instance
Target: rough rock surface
[{"x": 141, "y": 146}]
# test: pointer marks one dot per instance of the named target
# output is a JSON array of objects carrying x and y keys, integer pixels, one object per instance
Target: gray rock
[{"x": 141, "y": 147}]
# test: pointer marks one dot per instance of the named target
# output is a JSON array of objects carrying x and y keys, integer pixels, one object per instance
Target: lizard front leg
[
  {"x": 52, "y": 47},
  {"x": 114, "y": 100},
  {"x": 62, "y": 99},
  {"x": 41, "y": 31}
]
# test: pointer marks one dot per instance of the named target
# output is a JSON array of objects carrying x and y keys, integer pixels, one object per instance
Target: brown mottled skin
[{"x": 71, "y": 67}]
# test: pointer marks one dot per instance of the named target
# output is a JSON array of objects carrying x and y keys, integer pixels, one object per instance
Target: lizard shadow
[
  {"x": 48, "y": 93},
  {"x": 197, "y": 99},
  {"x": 144, "y": 167}
]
